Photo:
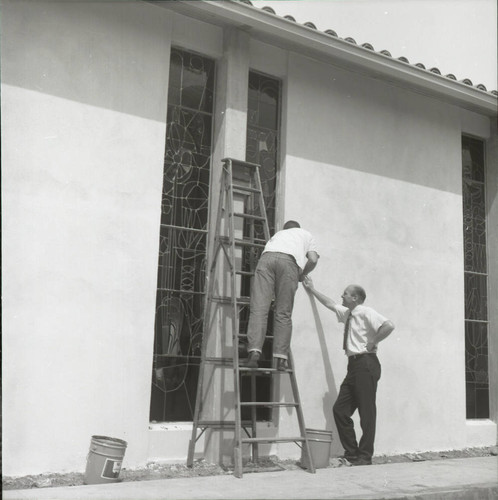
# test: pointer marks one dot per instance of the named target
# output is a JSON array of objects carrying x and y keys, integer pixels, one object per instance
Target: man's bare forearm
[
  {"x": 384, "y": 331},
  {"x": 326, "y": 301},
  {"x": 310, "y": 265}
]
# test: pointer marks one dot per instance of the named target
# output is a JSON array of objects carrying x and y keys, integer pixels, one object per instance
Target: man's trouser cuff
[{"x": 281, "y": 356}]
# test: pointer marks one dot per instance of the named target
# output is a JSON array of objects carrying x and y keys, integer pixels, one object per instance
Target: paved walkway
[{"x": 456, "y": 479}]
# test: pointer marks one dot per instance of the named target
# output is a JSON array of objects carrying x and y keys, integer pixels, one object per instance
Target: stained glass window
[
  {"x": 184, "y": 224},
  {"x": 476, "y": 279},
  {"x": 183, "y": 238}
]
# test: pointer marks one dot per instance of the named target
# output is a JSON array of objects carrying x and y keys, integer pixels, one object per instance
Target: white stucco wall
[
  {"x": 83, "y": 125},
  {"x": 372, "y": 170},
  {"x": 375, "y": 173}
]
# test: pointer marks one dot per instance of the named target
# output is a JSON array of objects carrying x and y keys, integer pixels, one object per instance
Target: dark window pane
[
  {"x": 482, "y": 402},
  {"x": 191, "y": 81},
  {"x": 173, "y": 388},
  {"x": 476, "y": 306},
  {"x": 174, "y": 95},
  {"x": 268, "y": 89},
  {"x": 176, "y": 69},
  {"x": 267, "y": 116},
  {"x": 263, "y": 134},
  {"x": 253, "y": 112},
  {"x": 476, "y": 348},
  {"x": 473, "y": 159}
]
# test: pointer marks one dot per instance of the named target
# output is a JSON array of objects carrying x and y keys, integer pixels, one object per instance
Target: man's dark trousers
[{"x": 358, "y": 392}]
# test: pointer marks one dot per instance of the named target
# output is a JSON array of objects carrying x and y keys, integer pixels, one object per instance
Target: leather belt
[{"x": 357, "y": 356}]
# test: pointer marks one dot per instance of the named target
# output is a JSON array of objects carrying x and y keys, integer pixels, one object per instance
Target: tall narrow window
[
  {"x": 183, "y": 238},
  {"x": 476, "y": 279},
  {"x": 263, "y": 123}
]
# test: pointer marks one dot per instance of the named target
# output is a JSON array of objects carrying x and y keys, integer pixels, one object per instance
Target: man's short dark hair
[
  {"x": 290, "y": 224},
  {"x": 359, "y": 291}
]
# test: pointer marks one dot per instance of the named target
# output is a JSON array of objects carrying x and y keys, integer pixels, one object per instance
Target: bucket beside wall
[
  {"x": 104, "y": 460},
  {"x": 320, "y": 442}
]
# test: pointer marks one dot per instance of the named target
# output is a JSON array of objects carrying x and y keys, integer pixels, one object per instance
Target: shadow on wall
[
  {"x": 104, "y": 54},
  {"x": 368, "y": 126},
  {"x": 330, "y": 396}
]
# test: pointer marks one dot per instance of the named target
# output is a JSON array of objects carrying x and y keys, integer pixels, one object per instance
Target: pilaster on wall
[
  {"x": 230, "y": 117},
  {"x": 229, "y": 142}
]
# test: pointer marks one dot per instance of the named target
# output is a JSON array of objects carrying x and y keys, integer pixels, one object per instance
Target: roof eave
[{"x": 268, "y": 27}]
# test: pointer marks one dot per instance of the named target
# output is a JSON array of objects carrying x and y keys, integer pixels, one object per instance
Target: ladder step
[
  {"x": 247, "y": 371},
  {"x": 244, "y": 335},
  {"x": 241, "y": 301},
  {"x": 256, "y": 243},
  {"x": 248, "y": 189},
  {"x": 249, "y": 216},
  {"x": 249, "y": 243},
  {"x": 229, "y": 361},
  {"x": 220, "y": 361},
  {"x": 245, "y": 273},
  {"x": 241, "y": 163},
  {"x": 222, "y": 423},
  {"x": 269, "y": 403},
  {"x": 273, "y": 440}
]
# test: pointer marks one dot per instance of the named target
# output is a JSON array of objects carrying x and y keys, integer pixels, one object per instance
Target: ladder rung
[
  {"x": 273, "y": 440},
  {"x": 221, "y": 361},
  {"x": 248, "y": 243},
  {"x": 248, "y": 189},
  {"x": 241, "y": 301},
  {"x": 244, "y": 335},
  {"x": 249, "y": 216},
  {"x": 247, "y": 371},
  {"x": 229, "y": 361},
  {"x": 222, "y": 423},
  {"x": 240, "y": 163},
  {"x": 245, "y": 273},
  {"x": 268, "y": 403}
]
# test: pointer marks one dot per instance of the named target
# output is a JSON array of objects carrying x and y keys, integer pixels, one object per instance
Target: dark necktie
[{"x": 346, "y": 330}]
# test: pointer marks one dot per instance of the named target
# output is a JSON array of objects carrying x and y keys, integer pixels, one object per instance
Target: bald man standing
[{"x": 364, "y": 328}]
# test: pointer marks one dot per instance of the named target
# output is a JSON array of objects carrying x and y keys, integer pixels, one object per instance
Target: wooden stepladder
[{"x": 241, "y": 233}]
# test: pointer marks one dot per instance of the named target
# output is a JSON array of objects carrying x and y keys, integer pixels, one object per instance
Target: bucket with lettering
[{"x": 104, "y": 460}]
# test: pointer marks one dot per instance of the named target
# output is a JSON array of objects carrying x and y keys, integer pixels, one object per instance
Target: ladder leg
[
  {"x": 191, "y": 449},
  {"x": 300, "y": 417},
  {"x": 206, "y": 320},
  {"x": 255, "y": 449},
  {"x": 237, "y": 453}
]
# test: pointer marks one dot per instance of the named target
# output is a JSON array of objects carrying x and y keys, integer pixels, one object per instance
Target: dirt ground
[{"x": 201, "y": 468}]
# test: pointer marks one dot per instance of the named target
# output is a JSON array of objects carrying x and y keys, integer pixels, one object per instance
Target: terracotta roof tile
[{"x": 368, "y": 46}]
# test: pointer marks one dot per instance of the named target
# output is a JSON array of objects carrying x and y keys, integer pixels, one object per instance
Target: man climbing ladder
[{"x": 286, "y": 259}]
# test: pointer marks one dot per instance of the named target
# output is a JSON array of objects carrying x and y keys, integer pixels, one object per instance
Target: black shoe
[
  {"x": 351, "y": 459},
  {"x": 282, "y": 364},
  {"x": 252, "y": 361},
  {"x": 362, "y": 461}
]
